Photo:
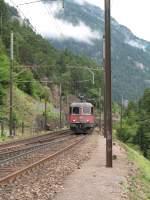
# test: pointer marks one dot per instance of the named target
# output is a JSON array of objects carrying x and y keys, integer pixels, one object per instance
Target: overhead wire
[
  {"x": 27, "y": 21},
  {"x": 49, "y": 12},
  {"x": 31, "y": 2},
  {"x": 113, "y": 2},
  {"x": 52, "y": 16},
  {"x": 58, "y": 27}
]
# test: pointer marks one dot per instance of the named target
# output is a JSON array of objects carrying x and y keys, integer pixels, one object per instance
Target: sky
[{"x": 134, "y": 14}]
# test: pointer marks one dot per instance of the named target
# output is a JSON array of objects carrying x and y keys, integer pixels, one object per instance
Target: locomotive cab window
[
  {"x": 70, "y": 110},
  {"x": 87, "y": 110},
  {"x": 76, "y": 110},
  {"x": 92, "y": 110}
]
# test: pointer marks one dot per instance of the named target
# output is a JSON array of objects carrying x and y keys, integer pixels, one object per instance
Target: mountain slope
[
  {"x": 39, "y": 68},
  {"x": 130, "y": 55}
]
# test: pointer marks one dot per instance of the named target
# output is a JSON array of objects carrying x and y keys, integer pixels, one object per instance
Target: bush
[
  {"x": 127, "y": 133},
  {"x": 123, "y": 134},
  {"x": 4, "y": 76}
]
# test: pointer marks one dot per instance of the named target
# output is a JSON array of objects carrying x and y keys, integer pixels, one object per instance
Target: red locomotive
[{"x": 81, "y": 118}]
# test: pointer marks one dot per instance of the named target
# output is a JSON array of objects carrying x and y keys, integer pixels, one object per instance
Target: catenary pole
[
  {"x": 108, "y": 84},
  {"x": 100, "y": 111},
  {"x": 45, "y": 114},
  {"x": 60, "y": 106},
  {"x": 104, "y": 86},
  {"x": 1, "y": 24},
  {"x": 45, "y": 109},
  {"x": 67, "y": 104},
  {"x": 11, "y": 85},
  {"x": 121, "y": 114}
]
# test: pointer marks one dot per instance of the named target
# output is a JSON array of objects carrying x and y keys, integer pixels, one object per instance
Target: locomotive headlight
[
  {"x": 88, "y": 120},
  {"x": 73, "y": 120}
]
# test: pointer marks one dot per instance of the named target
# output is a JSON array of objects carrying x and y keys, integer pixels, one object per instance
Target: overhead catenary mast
[
  {"x": 108, "y": 84},
  {"x": 100, "y": 110},
  {"x": 1, "y": 24},
  {"x": 104, "y": 88},
  {"x": 39, "y": 1},
  {"x": 11, "y": 84},
  {"x": 60, "y": 106},
  {"x": 121, "y": 113}
]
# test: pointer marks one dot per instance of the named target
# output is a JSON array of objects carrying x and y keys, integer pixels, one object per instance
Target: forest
[
  {"x": 36, "y": 60},
  {"x": 135, "y": 130}
]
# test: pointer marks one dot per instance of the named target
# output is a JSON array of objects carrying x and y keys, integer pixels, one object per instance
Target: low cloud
[
  {"x": 99, "y": 3},
  {"x": 42, "y": 17},
  {"x": 64, "y": 30}
]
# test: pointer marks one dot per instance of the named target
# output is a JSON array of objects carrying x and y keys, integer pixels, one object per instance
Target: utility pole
[
  {"x": 108, "y": 84},
  {"x": 121, "y": 114},
  {"x": 102, "y": 114},
  {"x": 104, "y": 86},
  {"x": 60, "y": 106},
  {"x": 67, "y": 101},
  {"x": 63, "y": 3},
  {"x": 45, "y": 107},
  {"x": 100, "y": 119},
  {"x": 1, "y": 24},
  {"x": 105, "y": 104},
  {"x": 45, "y": 115},
  {"x": 11, "y": 85},
  {"x": 67, "y": 112}
]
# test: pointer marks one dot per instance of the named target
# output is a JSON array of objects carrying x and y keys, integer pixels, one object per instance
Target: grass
[
  {"x": 3, "y": 138},
  {"x": 28, "y": 110},
  {"x": 139, "y": 181}
]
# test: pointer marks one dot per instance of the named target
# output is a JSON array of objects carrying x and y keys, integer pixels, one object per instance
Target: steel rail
[
  {"x": 18, "y": 173},
  {"x": 7, "y": 145},
  {"x": 25, "y": 147},
  {"x": 30, "y": 151}
]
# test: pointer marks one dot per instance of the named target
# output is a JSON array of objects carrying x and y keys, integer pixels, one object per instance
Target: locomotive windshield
[
  {"x": 76, "y": 110},
  {"x": 81, "y": 109},
  {"x": 87, "y": 110}
]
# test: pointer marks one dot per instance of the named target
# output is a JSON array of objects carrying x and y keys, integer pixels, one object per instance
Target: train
[{"x": 81, "y": 117}]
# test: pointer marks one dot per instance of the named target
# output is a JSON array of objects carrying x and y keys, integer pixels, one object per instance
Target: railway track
[
  {"x": 16, "y": 165},
  {"x": 20, "y": 153},
  {"x": 14, "y": 145},
  {"x": 11, "y": 155}
]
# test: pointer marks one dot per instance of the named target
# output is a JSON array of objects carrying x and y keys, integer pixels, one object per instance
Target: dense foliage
[
  {"x": 4, "y": 74},
  {"x": 130, "y": 55},
  {"x": 36, "y": 60},
  {"x": 136, "y": 124}
]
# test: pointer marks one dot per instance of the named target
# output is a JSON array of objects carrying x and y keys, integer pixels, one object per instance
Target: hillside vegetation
[
  {"x": 35, "y": 62},
  {"x": 139, "y": 178},
  {"x": 135, "y": 135},
  {"x": 130, "y": 55},
  {"x": 135, "y": 130}
]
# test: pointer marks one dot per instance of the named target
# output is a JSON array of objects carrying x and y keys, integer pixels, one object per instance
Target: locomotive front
[{"x": 81, "y": 117}]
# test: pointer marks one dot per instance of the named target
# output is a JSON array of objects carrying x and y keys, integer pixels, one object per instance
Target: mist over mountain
[
  {"x": 130, "y": 55},
  {"x": 79, "y": 27}
]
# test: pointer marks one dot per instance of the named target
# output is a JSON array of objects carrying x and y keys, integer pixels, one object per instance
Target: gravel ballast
[
  {"x": 94, "y": 181},
  {"x": 43, "y": 183}
]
